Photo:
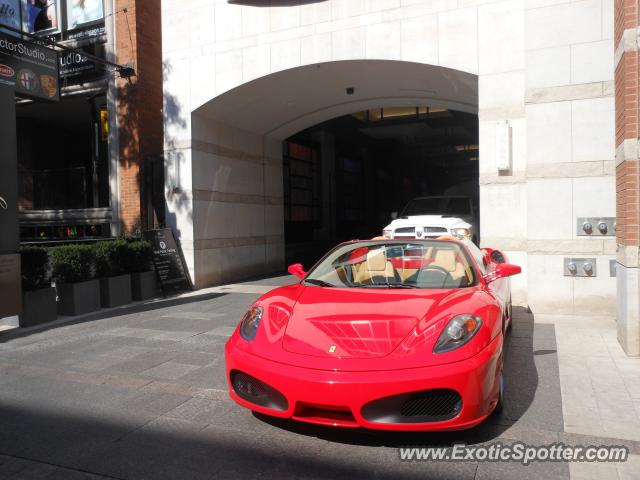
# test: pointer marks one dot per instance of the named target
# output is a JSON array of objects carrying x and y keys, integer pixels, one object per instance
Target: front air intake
[
  {"x": 257, "y": 392},
  {"x": 425, "y": 406}
]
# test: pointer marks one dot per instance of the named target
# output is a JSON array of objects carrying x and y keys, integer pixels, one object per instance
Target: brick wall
[
  {"x": 139, "y": 108},
  {"x": 626, "y": 85}
]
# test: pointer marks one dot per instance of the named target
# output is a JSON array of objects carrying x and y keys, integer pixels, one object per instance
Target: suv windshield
[
  {"x": 392, "y": 264},
  {"x": 438, "y": 206}
]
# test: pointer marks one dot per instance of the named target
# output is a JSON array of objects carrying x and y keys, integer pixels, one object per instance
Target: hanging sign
[{"x": 30, "y": 68}]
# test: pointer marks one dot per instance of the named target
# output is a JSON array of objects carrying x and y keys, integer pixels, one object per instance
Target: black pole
[{"x": 10, "y": 288}]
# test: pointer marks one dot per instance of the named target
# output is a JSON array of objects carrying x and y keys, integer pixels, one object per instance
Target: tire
[
  {"x": 509, "y": 317},
  {"x": 500, "y": 405}
]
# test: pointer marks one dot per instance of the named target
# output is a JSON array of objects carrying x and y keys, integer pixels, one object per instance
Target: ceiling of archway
[{"x": 283, "y": 103}]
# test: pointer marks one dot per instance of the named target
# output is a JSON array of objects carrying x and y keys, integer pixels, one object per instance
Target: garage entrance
[
  {"x": 343, "y": 178},
  {"x": 284, "y": 166}
]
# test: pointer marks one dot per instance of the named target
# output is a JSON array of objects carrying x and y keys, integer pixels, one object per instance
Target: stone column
[{"x": 627, "y": 174}]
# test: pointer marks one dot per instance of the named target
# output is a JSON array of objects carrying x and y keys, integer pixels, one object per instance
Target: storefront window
[
  {"x": 82, "y": 12},
  {"x": 62, "y": 157},
  {"x": 40, "y": 15}
]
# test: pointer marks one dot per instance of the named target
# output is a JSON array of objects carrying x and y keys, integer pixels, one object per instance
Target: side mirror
[
  {"x": 394, "y": 215},
  {"x": 502, "y": 270},
  {"x": 298, "y": 270}
]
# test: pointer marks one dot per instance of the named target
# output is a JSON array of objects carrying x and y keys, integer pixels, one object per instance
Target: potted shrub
[
  {"x": 78, "y": 291},
  {"x": 143, "y": 278},
  {"x": 38, "y": 296},
  {"x": 111, "y": 269}
]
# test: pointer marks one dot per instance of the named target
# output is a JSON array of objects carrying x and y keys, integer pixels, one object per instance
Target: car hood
[
  {"x": 355, "y": 322},
  {"x": 427, "y": 220}
]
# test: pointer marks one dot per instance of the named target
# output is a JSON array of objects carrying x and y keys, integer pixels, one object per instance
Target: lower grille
[
  {"x": 256, "y": 391},
  {"x": 434, "y": 403},
  {"x": 426, "y": 406}
]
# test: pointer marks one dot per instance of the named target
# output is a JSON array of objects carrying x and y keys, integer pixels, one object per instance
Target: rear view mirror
[
  {"x": 502, "y": 270},
  {"x": 298, "y": 270},
  {"x": 394, "y": 215}
]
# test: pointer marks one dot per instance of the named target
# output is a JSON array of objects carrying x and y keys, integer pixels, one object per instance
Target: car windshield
[
  {"x": 438, "y": 206},
  {"x": 429, "y": 264}
]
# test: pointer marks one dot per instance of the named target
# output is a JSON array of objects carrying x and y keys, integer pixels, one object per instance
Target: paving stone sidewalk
[{"x": 140, "y": 393}]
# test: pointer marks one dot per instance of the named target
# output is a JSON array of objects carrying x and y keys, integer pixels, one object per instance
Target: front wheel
[
  {"x": 500, "y": 405},
  {"x": 509, "y": 317}
]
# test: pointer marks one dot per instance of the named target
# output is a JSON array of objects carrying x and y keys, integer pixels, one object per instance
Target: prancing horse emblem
[{"x": 332, "y": 348}]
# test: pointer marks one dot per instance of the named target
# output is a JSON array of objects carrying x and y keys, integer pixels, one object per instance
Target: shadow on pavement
[
  {"x": 101, "y": 429},
  {"x": 105, "y": 314}
]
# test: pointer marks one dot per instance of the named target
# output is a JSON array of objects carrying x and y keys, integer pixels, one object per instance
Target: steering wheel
[{"x": 442, "y": 272}]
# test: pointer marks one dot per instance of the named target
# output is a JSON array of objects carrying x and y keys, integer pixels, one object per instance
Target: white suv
[{"x": 430, "y": 217}]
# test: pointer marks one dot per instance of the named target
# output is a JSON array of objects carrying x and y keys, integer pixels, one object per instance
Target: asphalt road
[{"x": 141, "y": 394}]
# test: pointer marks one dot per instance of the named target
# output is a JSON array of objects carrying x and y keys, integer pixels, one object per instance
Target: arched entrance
[{"x": 237, "y": 149}]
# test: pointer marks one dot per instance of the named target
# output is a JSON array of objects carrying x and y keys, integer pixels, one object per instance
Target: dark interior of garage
[{"x": 344, "y": 178}]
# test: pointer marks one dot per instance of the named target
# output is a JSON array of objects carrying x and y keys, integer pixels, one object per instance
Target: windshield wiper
[
  {"x": 401, "y": 285},
  {"x": 386, "y": 285},
  {"x": 320, "y": 283}
]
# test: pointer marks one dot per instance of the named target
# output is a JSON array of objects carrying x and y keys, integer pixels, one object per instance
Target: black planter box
[
  {"x": 115, "y": 291},
  {"x": 38, "y": 306},
  {"x": 144, "y": 285},
  {"x": 78, "y": 298}
]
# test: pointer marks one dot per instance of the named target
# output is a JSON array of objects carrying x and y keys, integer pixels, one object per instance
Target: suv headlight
[
  {"x": 387, "y": 233},
  {"x": 458, "y": 332},
  {"x": 461, "y": 233},
  {"x": 250, "y": 323}
]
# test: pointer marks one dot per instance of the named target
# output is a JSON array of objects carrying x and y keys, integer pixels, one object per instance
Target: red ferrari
[{"x": 382, "y": 334}]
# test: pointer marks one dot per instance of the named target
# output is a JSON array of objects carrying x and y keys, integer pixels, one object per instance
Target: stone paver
[
  {"x": 599, "y": 385},
  {"x": 141, "y": 393}
]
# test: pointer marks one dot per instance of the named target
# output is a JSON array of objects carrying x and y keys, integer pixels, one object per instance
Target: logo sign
[
  {"x": 332, "y": 349},
  {"x": 6, "y": 71},
  {"x": 73, "y": 64},
  {"x": 36, "y": 66},
  {"x": 28, "y": 80}
]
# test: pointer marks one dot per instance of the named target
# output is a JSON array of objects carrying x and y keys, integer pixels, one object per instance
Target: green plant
[
  {"x": 112, "y": 257},
  {"x": 72, "y": 263},
  {"x": 140, "y": 256},
  {"x": 34, "y": 265}
]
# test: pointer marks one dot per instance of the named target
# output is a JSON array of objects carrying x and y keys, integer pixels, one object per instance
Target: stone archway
[{"x": 236, "y": 159}]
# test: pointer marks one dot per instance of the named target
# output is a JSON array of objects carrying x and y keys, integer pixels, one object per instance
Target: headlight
[
  {"x": 250, "y": 323},
  {"x": 387, "y": 233},
  {"x": 461, "y": 233},
  {"x": 458, "y": 331}
]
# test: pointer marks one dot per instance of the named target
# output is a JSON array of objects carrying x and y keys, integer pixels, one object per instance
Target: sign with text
[
  {"x": 30, "y": 68},
  {"x": 168, "y": 261},
  {"x": 10, "y": 13},
  {"x": 10, "y": 285},
  {"x": 74, "y": 63}
]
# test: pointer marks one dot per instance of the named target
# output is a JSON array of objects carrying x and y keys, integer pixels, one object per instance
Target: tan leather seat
[
  {"x": 447, "y": 260},
  {"x": 376, "y": 268}
]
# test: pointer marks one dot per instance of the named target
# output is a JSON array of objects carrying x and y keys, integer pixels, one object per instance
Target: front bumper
[{"x": 337, "y": 398}]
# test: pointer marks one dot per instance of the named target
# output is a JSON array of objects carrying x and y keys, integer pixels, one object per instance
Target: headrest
[
  {"x": 446, "y": 259},
  {"x": 376, "y": 260}
]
